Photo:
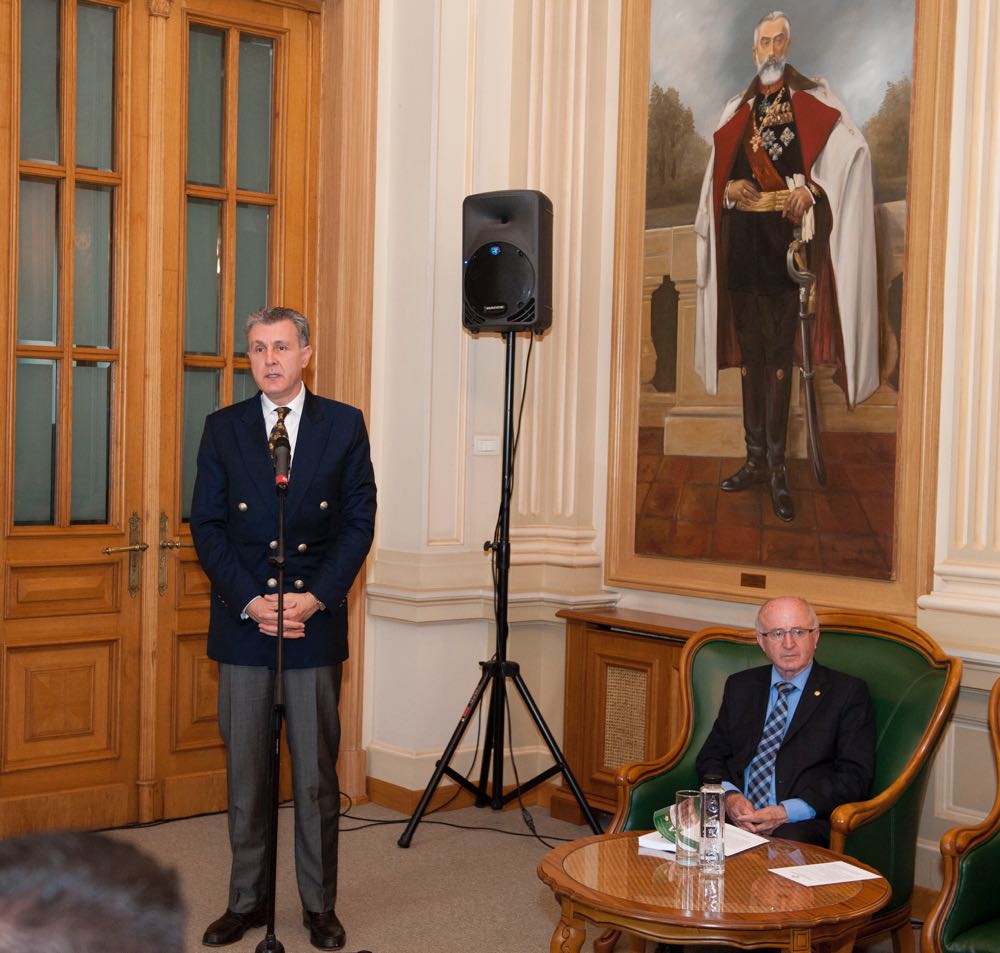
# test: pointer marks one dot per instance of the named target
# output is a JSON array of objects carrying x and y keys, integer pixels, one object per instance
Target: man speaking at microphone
[{"x": 247, "y": 450}]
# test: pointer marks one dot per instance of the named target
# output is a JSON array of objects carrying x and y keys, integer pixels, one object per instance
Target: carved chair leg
[{"x": 605, "y": 943}]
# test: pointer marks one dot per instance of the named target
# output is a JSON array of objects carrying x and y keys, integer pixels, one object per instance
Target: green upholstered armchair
[
  {"x": 965, "y": 917},
  {"x": 913, "y": 685}
]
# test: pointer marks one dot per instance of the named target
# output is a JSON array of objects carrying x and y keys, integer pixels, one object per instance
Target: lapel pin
[{"x": 817, "y": 693}]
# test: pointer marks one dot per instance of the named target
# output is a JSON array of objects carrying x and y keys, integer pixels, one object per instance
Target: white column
[{"x": 964, "y": 604}]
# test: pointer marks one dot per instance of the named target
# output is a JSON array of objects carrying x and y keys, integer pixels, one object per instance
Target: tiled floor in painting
[{"x": 844, "y": 528}]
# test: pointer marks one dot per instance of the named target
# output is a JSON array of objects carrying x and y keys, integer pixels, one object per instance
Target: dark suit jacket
[
  {"x": 329, "y": 525},
  {"x": 828, "y": 754}
]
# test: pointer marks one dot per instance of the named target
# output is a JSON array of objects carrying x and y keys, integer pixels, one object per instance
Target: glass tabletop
[{"x": 615, "y": 868}]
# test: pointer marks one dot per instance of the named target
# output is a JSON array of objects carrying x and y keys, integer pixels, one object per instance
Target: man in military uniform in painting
[{"x": 786, "y": 155}]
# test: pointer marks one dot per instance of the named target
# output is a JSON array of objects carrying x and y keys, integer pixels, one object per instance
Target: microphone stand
[{"x": 270, "y": 943}]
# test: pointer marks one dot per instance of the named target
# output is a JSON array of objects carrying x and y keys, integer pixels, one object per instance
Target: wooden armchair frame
[
  {"x": 848, "y": 821},
  {"x": 960, "y": 844}
]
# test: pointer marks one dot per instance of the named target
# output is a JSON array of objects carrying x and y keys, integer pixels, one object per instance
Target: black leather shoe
[
  {"x": 326, "y": 932},
  {"x": 781, "y": 498},
  {"x": 230, "y": 927},
  {"x": 745, "y": 477}
]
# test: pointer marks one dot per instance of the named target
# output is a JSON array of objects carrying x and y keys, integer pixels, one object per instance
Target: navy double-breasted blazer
[
  {"x": 827, "y": 756},
  {"x": 329, "y": 526}
]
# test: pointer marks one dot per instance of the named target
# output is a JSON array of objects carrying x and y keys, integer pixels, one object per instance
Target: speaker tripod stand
[{"x": 497, "y": 670}]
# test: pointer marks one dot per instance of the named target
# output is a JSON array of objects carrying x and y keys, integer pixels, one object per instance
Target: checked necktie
[{"x": 762, "y": 765}]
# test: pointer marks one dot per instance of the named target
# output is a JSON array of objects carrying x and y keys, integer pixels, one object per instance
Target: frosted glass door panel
[
  {"x": 252, "y": 222},
  {"x": 40, "y": 80},
  {"x": 91, "y": 445},
  {"x": 206, "y": 83},
  {"x": 92, "y": 267},
  {"x": 253, "y": 159},
  {"x": 243, "y": 385},
  {"x": 37, "y": 262},
  {"x": 95, "y": 86},
  {"x": 204, "y": 271},
  {"x": 201, "y": 397},
  {"x": 34, "y": 442}
]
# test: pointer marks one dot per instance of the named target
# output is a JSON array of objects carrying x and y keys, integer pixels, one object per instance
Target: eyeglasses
[{"x": 778, "y": 635}]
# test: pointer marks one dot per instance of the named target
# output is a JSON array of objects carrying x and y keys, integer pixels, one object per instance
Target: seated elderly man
[{"x": 793, "y": 739}]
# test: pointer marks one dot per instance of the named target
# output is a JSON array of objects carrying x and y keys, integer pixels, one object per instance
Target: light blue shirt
[{"x": 795, "y": 807}]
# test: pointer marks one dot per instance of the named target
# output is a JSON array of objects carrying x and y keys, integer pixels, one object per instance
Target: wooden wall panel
[
  {"x": 36, "y": 590},
  {"x": 60, "y": 704},
  {"x": 188, "y": 794},
  {"x": 195, "y": 694},
  {"x": 193, "y": 587}
]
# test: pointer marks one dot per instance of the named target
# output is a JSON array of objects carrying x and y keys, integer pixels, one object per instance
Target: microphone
[{"x": 281, "y": 452}]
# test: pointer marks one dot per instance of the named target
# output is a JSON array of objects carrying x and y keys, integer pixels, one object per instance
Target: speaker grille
[
  {"x": 499, "y": 287},
  {"x": 625, "y": 693},
  {"x": 474, "y": 319}
]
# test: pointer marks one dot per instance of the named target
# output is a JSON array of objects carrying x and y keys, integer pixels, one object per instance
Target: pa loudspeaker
[{"x": 507, "y": 254}]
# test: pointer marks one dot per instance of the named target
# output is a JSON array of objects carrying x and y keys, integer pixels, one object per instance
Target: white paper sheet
[{"x": 815, "y": 875}]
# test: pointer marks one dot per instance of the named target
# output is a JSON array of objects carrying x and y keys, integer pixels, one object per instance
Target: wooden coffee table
[{"x": 604, "y": 880}]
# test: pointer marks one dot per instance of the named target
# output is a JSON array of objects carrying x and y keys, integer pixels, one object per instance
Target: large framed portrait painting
[{"x": 775, "y": 334}]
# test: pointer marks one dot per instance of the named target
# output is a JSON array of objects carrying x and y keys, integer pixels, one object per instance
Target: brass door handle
[
  {"x": 167, "y": 544},
  {"x": 134, "y": 548}
]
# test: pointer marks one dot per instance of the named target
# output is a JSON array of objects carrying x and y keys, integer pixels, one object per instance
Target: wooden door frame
[{"x": 346, "y": 275}]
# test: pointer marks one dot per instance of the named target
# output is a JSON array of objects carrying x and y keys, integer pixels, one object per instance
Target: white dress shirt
[{"x": 292, "y": 418}]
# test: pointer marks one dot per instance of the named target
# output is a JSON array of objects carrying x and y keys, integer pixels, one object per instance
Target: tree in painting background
[
  {"x": 676, "y": 157},
  {"x": 888, "y": 136}
]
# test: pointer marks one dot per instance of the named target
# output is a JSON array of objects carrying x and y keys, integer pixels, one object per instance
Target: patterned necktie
[
  {"x": 762, "y": 765},
  {"x": 278, "y": 430}
]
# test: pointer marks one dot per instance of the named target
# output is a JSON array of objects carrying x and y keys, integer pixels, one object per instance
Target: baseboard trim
[
  {"x": 564, "y": 806},
  {"x": 90, "y": 808},
  {"x": 186, "y": 795}
]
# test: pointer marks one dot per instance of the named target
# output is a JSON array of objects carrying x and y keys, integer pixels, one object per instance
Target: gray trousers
[{"x": 312, "y": 728}]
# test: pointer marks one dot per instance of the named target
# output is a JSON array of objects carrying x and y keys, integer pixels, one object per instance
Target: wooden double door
[{"x": 161, "y": 183}]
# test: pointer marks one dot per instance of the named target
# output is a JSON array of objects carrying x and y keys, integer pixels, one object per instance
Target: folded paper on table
[{"x": 736, "y": 840}]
